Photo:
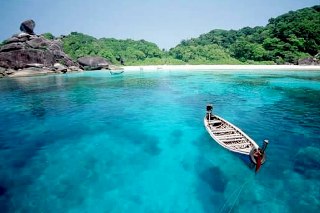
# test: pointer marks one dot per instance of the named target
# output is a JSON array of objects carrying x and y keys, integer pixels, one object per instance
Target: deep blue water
[{"x": 92, "y": 142}]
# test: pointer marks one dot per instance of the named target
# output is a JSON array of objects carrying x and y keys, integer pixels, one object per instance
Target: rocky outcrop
[
  {"x": 93, "y": 63},
  {"x": 24, "y": 51},
  {"x": 309, "y": 61},
  {"x": 28, "y": 26},
  {"x": 61, "y": 68}
]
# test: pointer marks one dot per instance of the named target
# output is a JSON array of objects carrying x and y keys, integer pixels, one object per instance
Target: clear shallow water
[{"x": 92, "y": 142}]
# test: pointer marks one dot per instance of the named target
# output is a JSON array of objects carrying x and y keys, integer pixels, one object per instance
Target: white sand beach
[{"x": 220, "y": 67}]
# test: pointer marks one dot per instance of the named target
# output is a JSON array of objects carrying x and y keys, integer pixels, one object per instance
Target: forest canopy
[{"x": 285, "y": 39}]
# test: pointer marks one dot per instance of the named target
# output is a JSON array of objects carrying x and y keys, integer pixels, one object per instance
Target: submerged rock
[
  {"x": 214, "y": 177},
  {"x": 307, "y": 162},
  {"x": 3, "y": 190}
]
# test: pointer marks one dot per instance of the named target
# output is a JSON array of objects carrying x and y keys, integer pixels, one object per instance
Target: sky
[{"x": 164, "y": 22}]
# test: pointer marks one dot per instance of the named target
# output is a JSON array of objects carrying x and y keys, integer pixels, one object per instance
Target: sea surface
[{"x": 93, "y": 142}]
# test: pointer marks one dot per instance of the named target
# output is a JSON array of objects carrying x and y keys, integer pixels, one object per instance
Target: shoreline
[
  {"x": 222, "y": 67},
  {"x": 159, "y": 68}
]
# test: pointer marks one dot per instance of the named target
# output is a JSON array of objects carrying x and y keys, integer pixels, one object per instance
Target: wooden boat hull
[
  {"x": 116, "y": 72},
  {"x": 229, "y": 136},
  {"x": 234, "y": 139}
]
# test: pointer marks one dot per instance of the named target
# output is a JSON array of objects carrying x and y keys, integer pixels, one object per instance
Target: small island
[{"x": 287, "y": 40}]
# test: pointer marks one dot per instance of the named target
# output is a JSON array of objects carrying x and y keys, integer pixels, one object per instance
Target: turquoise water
[{"x": 92, "y": 142}]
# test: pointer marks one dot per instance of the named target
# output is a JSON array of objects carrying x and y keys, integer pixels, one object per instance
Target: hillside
[
  {"x": 285, "y": 39},
  {"x": 129, "y": 51}
]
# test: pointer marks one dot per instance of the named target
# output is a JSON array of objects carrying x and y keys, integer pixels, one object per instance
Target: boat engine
[
  {"x": 209, "y": 112},
  {"x": 265, "y": 144}
]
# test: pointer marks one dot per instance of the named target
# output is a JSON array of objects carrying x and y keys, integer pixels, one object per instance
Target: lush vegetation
[
  {"x": 131, "y": 52},
  {"x": 285, "y": 39},
  {"x": 202, "y": 54}
]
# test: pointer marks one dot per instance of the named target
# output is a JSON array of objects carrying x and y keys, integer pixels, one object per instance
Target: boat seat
[
  {"x": 240, "y": 144},
  {"x": 224, "y": 130},
  {"x": 244, "y": 149},
  {"x": 229, "y": 136},
  {"x": 234, "y": 141},
  {"x": 217, "y": 128},
  {"x": 215, "y": 122}
]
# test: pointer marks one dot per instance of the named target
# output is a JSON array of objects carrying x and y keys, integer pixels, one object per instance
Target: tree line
[{"x": 285, "y": 39}]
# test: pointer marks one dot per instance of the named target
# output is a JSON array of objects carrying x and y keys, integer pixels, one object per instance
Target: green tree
[{"x": 48, "y": 36}]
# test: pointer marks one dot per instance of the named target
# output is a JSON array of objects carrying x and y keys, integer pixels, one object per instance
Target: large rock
[
  {"x": 93, "y": 63},
  {"x": 27, "y": 54},
  {"x": 18, "y": 59},
  {"x": 309, "y": 61},
  {"x": 12, "y": 46},
  {"x": 15, "y": 39},
  {"x": 38, "y": 43},
  {"x": 74, "y": 68},
  {"x": 60, "y": 68},
  {"x": 32, "y": 71},
  {"x": 36, "y": 65},
  {"x": 24, "y": 50},
  {"x": 28, "y": 26},
  {"x": 2, "y": 72},
  {"x": 5, "y": 72},
  {"x": 21, "y": 58},
  {"x": 56, "y": 45}
]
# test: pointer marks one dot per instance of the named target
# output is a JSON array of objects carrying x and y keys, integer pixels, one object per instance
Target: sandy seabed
[{"x": 220, "y": 67}]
